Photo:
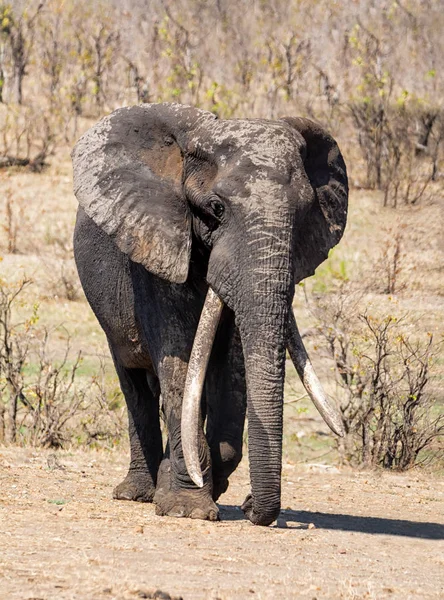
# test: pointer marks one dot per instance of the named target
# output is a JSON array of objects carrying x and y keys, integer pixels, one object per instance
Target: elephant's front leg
[
  {"x": 226, "y": 403},
  {"x": 176, "y": 495},
  {"x": 144, "y": 434}
]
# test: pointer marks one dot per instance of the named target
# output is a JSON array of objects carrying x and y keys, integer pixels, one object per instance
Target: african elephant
[{"x": 190, "y": 237}]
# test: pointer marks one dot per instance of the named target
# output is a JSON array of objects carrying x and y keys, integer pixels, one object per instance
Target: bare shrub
[
  {"x": 14, "y": 352},
  {"x": 104, "y": 419},
  {"x": 44, "y": 401},
  {"x": 393, "y": 121},
  {"x": 62, "y": 277},
  {"x": 97, "y": 43},
  {"x": 391, "y": 263},
  {"x": 59, "y": 236},
  {"x": 388, "y": 140},
  {"x": 63, "y": 281},
  {"x": 389, "y": 410},
  {"x": 51, "y": 399},
  {"x": 14, "y": 218},
  {"x": 69, "y": 281},
  {"x": 18, "y": 32},
  {"x": 61, "y": 409},
  {"x": 28, "y": 136},
  {"x": 386, "y": 274},
  {"x": 408, "y": 174}
]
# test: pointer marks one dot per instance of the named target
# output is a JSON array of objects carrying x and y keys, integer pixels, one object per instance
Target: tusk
[
  {"x": 309, "y": 379},
  {"x": 197, "y": 367}
]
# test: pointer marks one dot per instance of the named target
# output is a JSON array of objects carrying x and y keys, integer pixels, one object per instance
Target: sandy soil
[{"x": 340, "y": 535}]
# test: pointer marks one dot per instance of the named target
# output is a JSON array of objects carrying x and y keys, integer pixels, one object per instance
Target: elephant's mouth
[{"x": 197, "y": 367}]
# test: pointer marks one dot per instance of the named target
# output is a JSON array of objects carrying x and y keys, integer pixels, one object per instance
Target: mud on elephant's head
[{"x": 264, "y": 201}]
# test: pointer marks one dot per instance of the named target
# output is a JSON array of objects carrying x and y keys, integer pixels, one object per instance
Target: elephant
[{"x": 191, "y": 234}]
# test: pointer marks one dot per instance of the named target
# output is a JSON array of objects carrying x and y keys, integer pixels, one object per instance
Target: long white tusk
[
  {"x": 309, "y": 379},
  {"x": 197, "y": 367}
]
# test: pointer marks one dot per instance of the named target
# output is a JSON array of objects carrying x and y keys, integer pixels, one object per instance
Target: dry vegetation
[{"x": 372, "y": 74}]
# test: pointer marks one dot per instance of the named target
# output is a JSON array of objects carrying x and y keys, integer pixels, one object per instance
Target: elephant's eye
[{"x": 217, "y": 208}]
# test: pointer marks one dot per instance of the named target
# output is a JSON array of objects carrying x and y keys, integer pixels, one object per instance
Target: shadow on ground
[{"x": 373, "y": 525}]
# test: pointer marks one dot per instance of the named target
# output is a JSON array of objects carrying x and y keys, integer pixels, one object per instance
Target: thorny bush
[
  {"x": 43, "y": 401},
  {"x": 384, "y": 374}
]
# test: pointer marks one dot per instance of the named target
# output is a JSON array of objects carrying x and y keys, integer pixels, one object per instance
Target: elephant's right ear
[
  {"x": 128, "y": 179},
  {"x": 327, "y": 173}
]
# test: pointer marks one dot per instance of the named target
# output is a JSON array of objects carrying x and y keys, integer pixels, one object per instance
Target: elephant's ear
[
  {"x": 325, "y": 222},
  {"x": 128, "y": 179}
]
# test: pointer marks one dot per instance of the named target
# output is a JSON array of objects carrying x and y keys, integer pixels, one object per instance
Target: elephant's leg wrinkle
[
  {"x": 176, "y": 495},
  {"x": 144, "y": 434},
  {"x": 226, "y": 406}
]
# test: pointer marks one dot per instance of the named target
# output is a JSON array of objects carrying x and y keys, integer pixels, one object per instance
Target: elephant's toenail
[
  {"x": 177, "y": 511},
  {"x": 197, "y": 513}
]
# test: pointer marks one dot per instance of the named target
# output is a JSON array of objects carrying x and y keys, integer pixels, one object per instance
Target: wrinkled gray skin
[{"x": 172, "y": 200}]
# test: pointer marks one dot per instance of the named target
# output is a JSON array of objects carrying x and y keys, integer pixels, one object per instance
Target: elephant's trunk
[
  {"x": 264, "y": 350},
  {"x": 262, "y": 318}
]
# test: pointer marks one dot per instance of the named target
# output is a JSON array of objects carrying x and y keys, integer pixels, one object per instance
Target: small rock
[
  {"x": 311, "y": 526},
  {"x": 54, "y": 463},
  {"x": 158, "y": 594},
  {"x": 138, "y": 529}
]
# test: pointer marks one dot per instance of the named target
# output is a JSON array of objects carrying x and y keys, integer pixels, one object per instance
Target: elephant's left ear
[
  {"x": 128, "y": 179},
  {"x": 325, "y": 222}
]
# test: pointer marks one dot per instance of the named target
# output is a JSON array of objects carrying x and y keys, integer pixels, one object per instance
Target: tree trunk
[
  {"x": 2, "y": 421},
  {"x": 11, "y": 424}
]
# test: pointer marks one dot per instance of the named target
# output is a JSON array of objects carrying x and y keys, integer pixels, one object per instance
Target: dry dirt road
[{"x": 340, "y": 535}]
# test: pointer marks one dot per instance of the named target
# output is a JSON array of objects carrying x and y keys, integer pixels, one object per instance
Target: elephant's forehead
[{"x": 269, "y": 144}]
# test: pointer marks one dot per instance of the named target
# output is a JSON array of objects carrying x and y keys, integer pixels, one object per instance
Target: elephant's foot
[
  {"x": 137, "y": 486},
  {"x": 186, "y": 503},
  {"x": 171, "y": 502},
  {"x": 264, "y": 518}
]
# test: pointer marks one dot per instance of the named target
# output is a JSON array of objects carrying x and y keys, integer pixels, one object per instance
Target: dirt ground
[{"x": 348, "y": 535}]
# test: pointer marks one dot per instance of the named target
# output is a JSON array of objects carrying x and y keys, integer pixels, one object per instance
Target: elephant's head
[{"x": 265, "y": 201}]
